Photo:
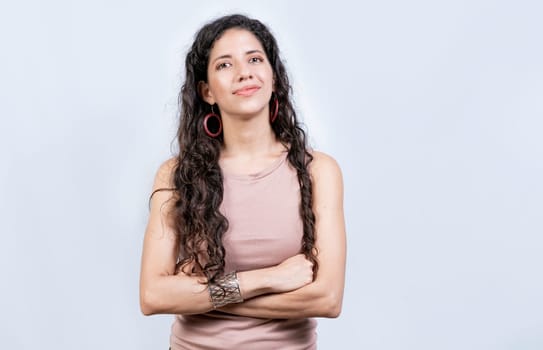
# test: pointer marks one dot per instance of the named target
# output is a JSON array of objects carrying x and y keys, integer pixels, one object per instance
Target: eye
[
  {"x": 256, "y": 59},
  {"x": 223, "y": 65}
]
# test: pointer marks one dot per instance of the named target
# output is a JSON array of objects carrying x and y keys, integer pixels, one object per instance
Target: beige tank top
[{"x": 265, "y": 228}]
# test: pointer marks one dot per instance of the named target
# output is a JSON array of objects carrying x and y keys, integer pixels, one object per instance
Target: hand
[{"x": 293, "y": 273}]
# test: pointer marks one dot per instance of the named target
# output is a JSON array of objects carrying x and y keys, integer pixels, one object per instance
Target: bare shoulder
[
  {"x": 324, "y": 167},
  {"x": 163, "y": 186},
  {"x": 164, "y": 174}
]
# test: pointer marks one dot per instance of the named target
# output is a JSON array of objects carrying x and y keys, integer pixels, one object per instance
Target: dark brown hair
[{"x": 197, "y": 177}]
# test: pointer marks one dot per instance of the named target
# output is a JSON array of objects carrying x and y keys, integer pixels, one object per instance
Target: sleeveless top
[{"x": 265, "y": 228}]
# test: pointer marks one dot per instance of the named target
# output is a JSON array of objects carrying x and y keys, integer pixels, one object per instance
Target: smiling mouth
[{"x": 247, "y": 91}]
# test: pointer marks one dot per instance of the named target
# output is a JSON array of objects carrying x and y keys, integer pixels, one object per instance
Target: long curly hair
[{"x": 197, "y": 177}]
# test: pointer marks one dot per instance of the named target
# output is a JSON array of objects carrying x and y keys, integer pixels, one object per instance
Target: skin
[{"x": 288, "y": 290}]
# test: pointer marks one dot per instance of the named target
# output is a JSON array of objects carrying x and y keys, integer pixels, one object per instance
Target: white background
[{"x": 432, "y": 108}]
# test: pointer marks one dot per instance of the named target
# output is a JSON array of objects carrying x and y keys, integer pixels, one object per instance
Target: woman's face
[{"x": 240, "y": 77}]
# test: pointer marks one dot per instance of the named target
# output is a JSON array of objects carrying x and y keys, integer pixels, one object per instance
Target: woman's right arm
[{"x": 163, "y": 290}]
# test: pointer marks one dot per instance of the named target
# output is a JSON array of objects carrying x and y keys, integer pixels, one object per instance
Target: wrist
[
  {"x": 256, "y": 282},
  {"x": 224, "y": 290}
]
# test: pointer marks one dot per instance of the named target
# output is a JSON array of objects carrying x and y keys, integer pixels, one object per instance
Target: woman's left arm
[{"x": 323, "y": 297}]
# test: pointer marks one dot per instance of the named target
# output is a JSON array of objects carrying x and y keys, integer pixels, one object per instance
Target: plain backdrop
[{"x": 433, "y": 109}]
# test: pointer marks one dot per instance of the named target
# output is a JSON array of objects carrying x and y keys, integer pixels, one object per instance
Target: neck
[{"x": 248, "y": 137}]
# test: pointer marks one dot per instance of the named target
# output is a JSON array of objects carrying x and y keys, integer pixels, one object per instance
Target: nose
[{"x": 244, "y": 72}]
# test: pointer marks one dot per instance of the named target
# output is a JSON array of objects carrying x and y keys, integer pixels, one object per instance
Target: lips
[{"x": 247, "y": 90}]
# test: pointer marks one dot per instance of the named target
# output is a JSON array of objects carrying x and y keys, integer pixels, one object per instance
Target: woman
[{"x": 246, "y": 238}]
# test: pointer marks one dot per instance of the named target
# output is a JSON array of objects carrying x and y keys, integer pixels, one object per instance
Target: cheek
[
  {"x": 267, "y": 76},
  {"x": 218, "y": 85}
]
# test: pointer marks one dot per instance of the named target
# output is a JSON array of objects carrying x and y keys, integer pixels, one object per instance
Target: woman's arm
[
  {"x": 163, "y": 290},
  {"x": 323, "y": 297}
]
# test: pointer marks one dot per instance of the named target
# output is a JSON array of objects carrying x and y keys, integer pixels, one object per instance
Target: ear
[{"x": 205, "y": 93}]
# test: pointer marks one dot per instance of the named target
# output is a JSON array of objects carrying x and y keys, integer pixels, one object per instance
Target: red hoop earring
[
  {"x": 273, "y": 115},
  {"x": 212, "y": 121}
]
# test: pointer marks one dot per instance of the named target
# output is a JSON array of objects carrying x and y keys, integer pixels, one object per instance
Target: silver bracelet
[{"x": 225, "y": 290}]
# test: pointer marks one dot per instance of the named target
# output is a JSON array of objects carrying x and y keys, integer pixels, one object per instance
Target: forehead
[{"x": 235, "y": 41}]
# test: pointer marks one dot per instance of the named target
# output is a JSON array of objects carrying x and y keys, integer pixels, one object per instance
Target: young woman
[{"x": 246, "y": 238}]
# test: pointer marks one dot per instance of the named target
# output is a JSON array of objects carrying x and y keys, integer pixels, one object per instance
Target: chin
[{"x": 249, "y": 109}]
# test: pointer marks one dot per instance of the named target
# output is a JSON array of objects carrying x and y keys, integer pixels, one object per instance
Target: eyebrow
[{"x": 250, "y": 52}]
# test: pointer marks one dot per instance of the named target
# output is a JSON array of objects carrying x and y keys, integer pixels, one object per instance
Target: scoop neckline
[{"x": 259, "y": 174}]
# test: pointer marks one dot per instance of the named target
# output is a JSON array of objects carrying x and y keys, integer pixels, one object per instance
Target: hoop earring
[
  {"x": 273, "y": 115},
  {"x": 212, "y": 121}
]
